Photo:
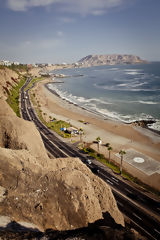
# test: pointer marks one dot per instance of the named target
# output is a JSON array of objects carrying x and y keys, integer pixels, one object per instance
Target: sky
[{"x": 58, "y": 31}]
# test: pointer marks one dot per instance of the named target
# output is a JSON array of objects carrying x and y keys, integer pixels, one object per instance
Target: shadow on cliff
[{"x": 104, "y": 229}]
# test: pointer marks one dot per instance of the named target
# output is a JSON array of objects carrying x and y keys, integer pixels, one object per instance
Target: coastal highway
[{"x": 131, "y": 201}]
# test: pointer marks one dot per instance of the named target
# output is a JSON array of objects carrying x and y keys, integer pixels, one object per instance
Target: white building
[
  {"x": 7, "y": 63},
  {"x": 16, "y": 63}
]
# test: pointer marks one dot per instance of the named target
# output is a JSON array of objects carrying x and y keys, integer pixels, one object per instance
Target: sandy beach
[{"x": 119, "y": 135}]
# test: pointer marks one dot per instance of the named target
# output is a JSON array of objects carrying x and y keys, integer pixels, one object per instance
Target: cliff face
[
  {"x": 111, "y": 59},
  {"x": 15, "y": 133},
  {"x": 8, "y": 79},
  {"x": 61, "y": 194}
]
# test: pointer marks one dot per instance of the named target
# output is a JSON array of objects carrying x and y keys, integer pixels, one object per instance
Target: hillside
[
  {"x": 109, "y": 59},
  {"x": 8, "y": 79},
  {"x": 59, "y": 194}
]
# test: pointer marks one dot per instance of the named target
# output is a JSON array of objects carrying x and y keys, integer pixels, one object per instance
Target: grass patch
[
  {"x": 19, "y": 68},
  {"x": 116, "y": 169},
  {"x": 13, "y": 97},
  {"x": 101, "y": 158},
  {"x": 2, "y": 67},
  {"x": 33, "y": 81},
  {"x": 55, "y": 126}
]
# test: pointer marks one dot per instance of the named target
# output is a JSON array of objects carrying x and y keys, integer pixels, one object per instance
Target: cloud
[
  {"x": 17, "y": 5},
  {"x": 24, "y": 5},
  {"x": 60, "y": 34},
  {"x": 93, "y": 7},
  {"x": 82, "y": 7},
  {"x": 66, "y": 20},
  {"x": 27, "y": 43}
]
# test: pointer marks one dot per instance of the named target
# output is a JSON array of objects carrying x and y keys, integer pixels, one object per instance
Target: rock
[
  {"x": 3, "y": 193},
  {"x": 109, "y": 59},
  {"x": 62, "y": 198},
  {"x": 16, "y": 133},
  {"x": 4, "y": 221}
]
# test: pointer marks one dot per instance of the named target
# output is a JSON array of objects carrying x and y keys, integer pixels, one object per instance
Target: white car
[{"x": 88, "y": 161}]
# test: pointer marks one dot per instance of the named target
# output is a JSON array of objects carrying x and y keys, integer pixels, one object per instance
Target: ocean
[{"x": 126, "y": 93}]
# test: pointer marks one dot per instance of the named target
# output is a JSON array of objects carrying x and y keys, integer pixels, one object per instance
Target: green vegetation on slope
[
  {"x": 54, "y": 125},
  {"x": 2, "y": 67},
  {"x": 13, "y": 97},
  {"x": 18, "y": 68},
  {"x": 33, "y": 81}
]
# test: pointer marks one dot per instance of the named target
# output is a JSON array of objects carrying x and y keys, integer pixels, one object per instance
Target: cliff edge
[
  {"x": 60, "y": 194},
  {"x": 8, "y": 79}
]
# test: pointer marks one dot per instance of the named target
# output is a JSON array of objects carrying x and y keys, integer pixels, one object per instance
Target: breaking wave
[
  {"x": 125, "y": 93},
  {"x": 92, "y": 106},
  {"x": 148, "y": 102}
]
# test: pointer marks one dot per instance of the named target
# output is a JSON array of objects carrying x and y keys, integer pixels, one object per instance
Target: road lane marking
[
  {"x": 54, "y": 144},
  {"x": 128, "y": 190},
  {"x": 115, "y": 179},
  {"x": 144, "y": 230},
  {"x": 137, "y": 216},
  {"x": 156, "y": 231},
  {"x": 120, "y": 203},
  {"x": 109, "y": 182}
]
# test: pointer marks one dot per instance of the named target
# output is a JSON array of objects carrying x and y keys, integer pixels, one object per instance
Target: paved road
[{"x": 130, "y": 200}]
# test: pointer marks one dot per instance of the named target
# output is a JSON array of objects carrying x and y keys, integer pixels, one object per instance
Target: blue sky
[{"x": 57, "y": 31}]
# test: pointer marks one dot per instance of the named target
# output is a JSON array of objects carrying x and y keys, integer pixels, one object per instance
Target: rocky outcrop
[
  {"x": 66, "y": 198},
  {"x": 109, "y": 59},
  {"x": 61, "y": 194},
  {"x": 15, "y": 133}
]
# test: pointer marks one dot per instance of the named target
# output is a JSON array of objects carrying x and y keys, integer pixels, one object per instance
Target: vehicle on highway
[{"x": 88, "y": 161}]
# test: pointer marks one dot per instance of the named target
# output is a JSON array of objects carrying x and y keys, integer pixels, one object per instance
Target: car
[{"x": 88, "y": 161}]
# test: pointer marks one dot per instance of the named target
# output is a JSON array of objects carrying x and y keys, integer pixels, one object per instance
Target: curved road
[{"x": 131, "y": 201}]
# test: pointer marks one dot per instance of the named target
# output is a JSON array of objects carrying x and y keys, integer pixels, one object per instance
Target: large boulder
[{"x": 67, "y": 197}]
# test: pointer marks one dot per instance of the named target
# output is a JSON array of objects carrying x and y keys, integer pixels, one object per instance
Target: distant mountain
[{"x": 110, "y": 59}]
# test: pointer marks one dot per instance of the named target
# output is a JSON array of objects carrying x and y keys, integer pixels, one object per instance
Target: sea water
[{"x": 123, "y": 92}]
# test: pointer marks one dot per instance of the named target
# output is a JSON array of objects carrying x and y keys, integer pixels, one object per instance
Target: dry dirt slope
[
  {"x": 8, "y": 79},
  {"x": 60, "y": 194}
]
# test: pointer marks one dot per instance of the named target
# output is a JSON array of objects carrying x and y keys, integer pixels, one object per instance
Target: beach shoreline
[
  {"x": 141, "y": 123},
  {"x": 119, "y": 134}
]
